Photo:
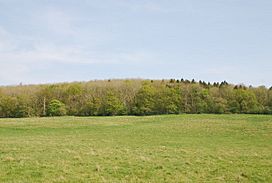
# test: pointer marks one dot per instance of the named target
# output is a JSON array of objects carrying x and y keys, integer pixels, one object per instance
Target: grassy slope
[{"x": 197, "y": 148}]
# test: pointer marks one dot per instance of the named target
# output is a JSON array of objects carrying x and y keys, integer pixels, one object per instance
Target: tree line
[{"x": 133, "y": 97}]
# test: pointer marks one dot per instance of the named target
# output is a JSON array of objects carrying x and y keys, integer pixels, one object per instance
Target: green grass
[{"x": 174, "y": 148}]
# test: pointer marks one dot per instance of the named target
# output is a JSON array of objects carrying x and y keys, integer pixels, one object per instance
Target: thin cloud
[{"x": 57, "y": 21}]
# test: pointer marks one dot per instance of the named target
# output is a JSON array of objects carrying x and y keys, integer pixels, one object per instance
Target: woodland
[{"x": 133, "y": 97}]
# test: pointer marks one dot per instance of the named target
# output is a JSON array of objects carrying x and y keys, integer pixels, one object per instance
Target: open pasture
[{"x": 169, "y": 148}]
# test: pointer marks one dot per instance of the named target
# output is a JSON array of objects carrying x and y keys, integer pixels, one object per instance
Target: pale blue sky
[{"x": 45, "y": 41}]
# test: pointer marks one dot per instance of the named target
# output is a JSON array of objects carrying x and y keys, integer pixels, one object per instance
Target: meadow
[{"x": 166, "y": 148}]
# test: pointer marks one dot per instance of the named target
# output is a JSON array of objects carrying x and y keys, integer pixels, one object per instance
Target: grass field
[{"x": 174, "y": 148}]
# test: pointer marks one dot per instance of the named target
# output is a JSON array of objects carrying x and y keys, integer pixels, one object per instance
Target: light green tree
[
  {"x": 145, "y": 100},
  {"x": 56, "y": 108}
]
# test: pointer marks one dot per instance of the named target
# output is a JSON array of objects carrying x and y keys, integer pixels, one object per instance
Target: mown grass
[{"x": 171, "y": 148}]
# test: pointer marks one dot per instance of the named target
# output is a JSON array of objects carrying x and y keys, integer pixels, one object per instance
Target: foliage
[
  {"x": 56, "y": 108},
  {"x": 244, "y": 101},
  {"x": 167, "y": 101},
  {"x": 145, "y": 100},
  {"x": 112, "y": 105},
  {"x": 134, "y": 97},
  {"x": 8, "y": 106}
]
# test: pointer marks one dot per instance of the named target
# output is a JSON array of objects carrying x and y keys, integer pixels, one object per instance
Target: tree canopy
[{"x": 133, "y": 97}]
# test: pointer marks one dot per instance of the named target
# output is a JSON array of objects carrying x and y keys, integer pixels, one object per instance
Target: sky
[{"x": 48, "y": 41}]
